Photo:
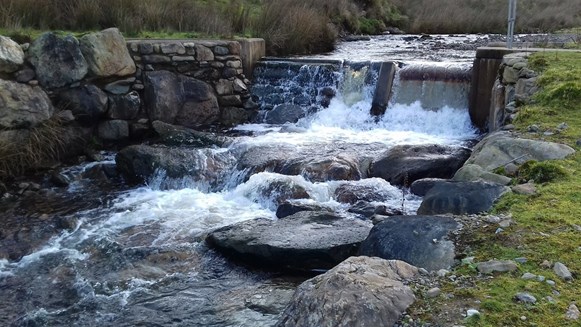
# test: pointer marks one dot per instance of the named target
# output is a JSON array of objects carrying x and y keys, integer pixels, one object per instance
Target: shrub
[{"x": 540, "y": 172}]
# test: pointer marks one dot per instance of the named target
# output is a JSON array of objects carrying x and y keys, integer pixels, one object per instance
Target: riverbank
[{"x": 535, "y": 231}]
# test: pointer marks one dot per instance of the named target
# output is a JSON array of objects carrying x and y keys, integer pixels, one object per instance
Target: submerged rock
[
  {"x": 461, "y": 198},
  {"x": 404, "y": 164},
  {"x": 419, "y": 240},
  {"x": 304, "y": 241},
  {"x": 361, "y": 291}
]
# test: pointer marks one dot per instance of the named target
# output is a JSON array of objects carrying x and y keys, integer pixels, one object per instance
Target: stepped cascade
[{"x": 138, "y": 254}]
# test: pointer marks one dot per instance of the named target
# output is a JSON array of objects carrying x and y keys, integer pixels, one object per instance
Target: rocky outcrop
[
  {"x": 500, "y": 148},
  {"x": 405, "y": 164},
  {"x": 57, "y": 60},
  {"x": 180, "y": 100},
  {"x": 23, "y": 106},
  {"x": 423, "y": 241},
  {"x": 11, "y": 55},
  {"x": 361, "y": 291},
  {"x": 304, "y": 241},
  {"x": 460, "y": 198},
  {"x": 106, "y": 53}
]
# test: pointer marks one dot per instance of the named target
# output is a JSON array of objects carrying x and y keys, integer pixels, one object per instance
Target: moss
[{"x": 540, "y": 172}]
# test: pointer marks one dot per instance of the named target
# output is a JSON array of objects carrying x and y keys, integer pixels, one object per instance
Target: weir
[{"x": 314, "y": 82}]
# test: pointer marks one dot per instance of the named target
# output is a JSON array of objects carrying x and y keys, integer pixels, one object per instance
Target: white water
[{"x": 176, "y": 216}]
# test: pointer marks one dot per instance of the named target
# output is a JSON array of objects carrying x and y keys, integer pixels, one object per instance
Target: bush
[{"x": 540, "y": 172}]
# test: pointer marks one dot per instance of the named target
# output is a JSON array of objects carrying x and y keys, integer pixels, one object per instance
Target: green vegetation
[
  {"x": 545, "y": 227},
  {"x": 288, "y": 26}
]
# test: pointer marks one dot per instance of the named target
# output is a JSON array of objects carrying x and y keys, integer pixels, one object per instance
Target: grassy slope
[{"x": 545, "y": 225}]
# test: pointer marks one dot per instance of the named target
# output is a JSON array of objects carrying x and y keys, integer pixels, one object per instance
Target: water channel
[{"x": 136, "y": 256}]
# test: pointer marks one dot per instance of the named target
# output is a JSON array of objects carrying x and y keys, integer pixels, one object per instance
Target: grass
[{"x": 545, "y": 225}]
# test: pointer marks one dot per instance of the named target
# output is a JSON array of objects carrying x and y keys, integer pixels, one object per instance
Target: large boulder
[
  {"x": 57, "y": 60},
  {"x": 139, "y": 163},
  {"x": 179, "y": 100},
  {"x": 422, "y": 241},
  {"x": 11, "y": 55},
  {"x": 323, "y": 168},
  {"x": 304, "y": 241},
  {"x": 361, "y": 291},
  {"x": 87, "y": 103},
  {"x": 405, "y": 164},
  {"x": 500, "y": 148},
  {"x": 106, "y": 53},
  {"x": 23, "y": 106},
  {"x": 460, "y": 198},
  {"x": 113, "y": 130}
]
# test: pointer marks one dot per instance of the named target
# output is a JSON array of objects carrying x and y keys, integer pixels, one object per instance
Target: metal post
[{"x": 511, "y": 22}]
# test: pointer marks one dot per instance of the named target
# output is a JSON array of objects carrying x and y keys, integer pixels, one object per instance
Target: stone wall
[
  {"x": 106, "y": 87},
  {"x": 515, "y": 84}
]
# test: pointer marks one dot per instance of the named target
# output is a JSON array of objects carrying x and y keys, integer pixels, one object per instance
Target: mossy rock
[{"x": 541, "y": 172}]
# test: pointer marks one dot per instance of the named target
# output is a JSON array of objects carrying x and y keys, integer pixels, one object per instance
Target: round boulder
[{"x": 361, "y": 291}]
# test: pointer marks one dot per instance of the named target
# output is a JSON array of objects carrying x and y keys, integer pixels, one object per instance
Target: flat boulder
[
  {"x": 23, "y": 106},
  {"x": 304, "y": 241},
  {"x": 422, "y": 241},
  {"x": 179, "y": 100},
  {"x": 360, "y": 291},
  {"x": 461, "y": 198},
  {"x": 11, "y": 55},
  {"x": 106, "y": 53},
  {"x": 500, "y": 148},
  {"x": 57, "y": 60},
  {"x": 404, "y": 164},
  {"x": 421, "y": 187},
  {"x": 471, "y": 173}
]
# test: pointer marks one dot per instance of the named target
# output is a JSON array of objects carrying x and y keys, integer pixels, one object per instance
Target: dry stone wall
[{"x": 114, "y": 89}]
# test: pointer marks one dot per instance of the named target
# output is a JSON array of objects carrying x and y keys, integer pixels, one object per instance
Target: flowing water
[{"x": 135, "y": 256}]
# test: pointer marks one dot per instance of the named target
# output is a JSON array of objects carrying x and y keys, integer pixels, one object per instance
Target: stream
[{"x": 119, "y": 255}]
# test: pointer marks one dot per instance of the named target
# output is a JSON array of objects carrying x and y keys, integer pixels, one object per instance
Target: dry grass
[
  {"x": 37, "y": 147},
  {"x": 488, "y": 16}
]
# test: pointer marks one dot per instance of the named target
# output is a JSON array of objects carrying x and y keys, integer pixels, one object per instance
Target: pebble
[
  {"x": 527, "y": 276},
  {"x": 523, "y": 318},
  {"x": 505, "y": 223},
  {"x": 578, "y": 142},
  {"x": 533, "y": 128},
  {"x": 442, "y": 273},
  {"x": 496, "y": 266},
  {"x": 577, "y": 228},
  {"x": 434, "y": 292},
  {"x": 472, "y": 312},
  {"x": 525, "y": 297},
  {"x": 550, "y": 300},
  {"x": 572, "y": 312},
  {"x": 521, "y": 259},
  {"x": 562, "y": 126},
  {"x": 551, "y": 282},
  {"x": 541, "y": 278},
  {"x": 546, "y": 264},
  {"x": 562, "y": 271},
  {"x": 468, "y": 260}
]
